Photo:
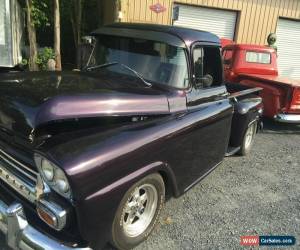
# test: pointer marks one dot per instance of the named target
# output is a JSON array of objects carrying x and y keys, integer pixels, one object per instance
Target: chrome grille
[{"x": 18, "y": 176}]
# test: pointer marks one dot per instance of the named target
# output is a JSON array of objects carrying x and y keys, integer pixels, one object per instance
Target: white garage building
[{"x": 288, "y": 33}]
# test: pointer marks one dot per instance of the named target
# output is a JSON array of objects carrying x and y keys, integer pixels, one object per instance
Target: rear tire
[
  {"x": 138, "y": 212},
  {"x": 248, "y": 139}
]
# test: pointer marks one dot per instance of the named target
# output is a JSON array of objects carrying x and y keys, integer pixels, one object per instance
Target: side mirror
[
  {"x": 88, "y": 40},
  {"x": 86, "y": 50},
  {"x": 204, "y": 82}
]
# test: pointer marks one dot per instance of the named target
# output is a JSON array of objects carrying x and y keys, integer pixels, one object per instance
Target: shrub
[{"x": 44, "y": 56}]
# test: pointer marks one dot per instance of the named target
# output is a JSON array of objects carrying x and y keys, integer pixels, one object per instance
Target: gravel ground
[{"x": 254, "y": 195}]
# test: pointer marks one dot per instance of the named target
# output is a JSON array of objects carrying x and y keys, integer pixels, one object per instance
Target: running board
[{"x": 232, "y": 151}]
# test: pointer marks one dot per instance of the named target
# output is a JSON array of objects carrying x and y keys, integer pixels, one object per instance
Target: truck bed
[
  {"x": 237, "y": 90},
  {"x": 272, "y": 79}
]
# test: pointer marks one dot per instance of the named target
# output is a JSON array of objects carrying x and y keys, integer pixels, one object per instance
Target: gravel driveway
[{"x": 254, "y": 195}]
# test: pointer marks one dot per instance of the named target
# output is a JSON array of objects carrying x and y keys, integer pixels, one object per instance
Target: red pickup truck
[{"x": 256, "y": 66}]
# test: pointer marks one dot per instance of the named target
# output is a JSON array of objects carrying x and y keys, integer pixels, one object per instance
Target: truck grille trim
[
  {"x": 18, "y": 176},
  {"x": 18, "y": 166}
]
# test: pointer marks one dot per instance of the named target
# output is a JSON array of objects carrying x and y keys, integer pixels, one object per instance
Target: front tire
[
  {"x": 138, "y": 212},
  {"x": 248, "y": 139}
]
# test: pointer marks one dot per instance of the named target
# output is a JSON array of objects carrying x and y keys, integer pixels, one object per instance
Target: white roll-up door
[
  {"x": 288, "y": 43},
  {"x": 220, "y": 22}
]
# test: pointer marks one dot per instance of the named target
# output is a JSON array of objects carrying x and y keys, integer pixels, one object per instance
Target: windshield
[{"x": 154, "y": 61}]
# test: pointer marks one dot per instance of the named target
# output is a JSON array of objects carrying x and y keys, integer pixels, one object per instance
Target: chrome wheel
[
  {"x": 139, "y": 210},
  {"x": 250, "y": 135}
]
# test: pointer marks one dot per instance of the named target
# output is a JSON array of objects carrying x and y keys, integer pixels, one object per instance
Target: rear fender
[
  {"x": 273, "y": 96},
  {"x": 246, "y": 112}
]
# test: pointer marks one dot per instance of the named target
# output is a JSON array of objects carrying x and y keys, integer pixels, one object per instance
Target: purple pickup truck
[{"x": 88, "y": 158}]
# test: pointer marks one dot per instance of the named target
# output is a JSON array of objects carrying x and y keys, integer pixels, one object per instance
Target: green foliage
[
  {"x": 24, "y": 62},
  {"x": 43, "y": 21},
  {"x": 41, "y": 16},
  {"x": 43, "y": 57}
]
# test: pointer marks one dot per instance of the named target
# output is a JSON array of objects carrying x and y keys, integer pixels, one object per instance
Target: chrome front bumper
[
  {"x": 287, "y": 118},
  {"x": 20, "y": 235}
]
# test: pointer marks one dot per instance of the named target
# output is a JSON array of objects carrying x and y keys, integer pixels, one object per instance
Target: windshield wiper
[
  {"x": 101, "y": 66},
  {"x": 137, "y": 74}
]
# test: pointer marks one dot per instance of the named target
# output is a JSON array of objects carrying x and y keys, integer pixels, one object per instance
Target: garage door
[
  {"x": 288, "y": 35},
  {"x": 219, "y": 22}
]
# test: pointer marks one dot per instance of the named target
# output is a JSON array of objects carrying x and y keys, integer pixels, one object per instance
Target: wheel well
[{"x": 170, "y": 192}]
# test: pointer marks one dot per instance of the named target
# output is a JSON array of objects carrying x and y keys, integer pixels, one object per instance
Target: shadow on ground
[{"x": 272, "y": 127}]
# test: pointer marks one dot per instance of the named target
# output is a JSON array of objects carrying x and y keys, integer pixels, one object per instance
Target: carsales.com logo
[{"x": 267, "y": 240}]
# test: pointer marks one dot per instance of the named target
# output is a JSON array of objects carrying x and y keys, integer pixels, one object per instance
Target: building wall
[{"x": 256, "y": 18}]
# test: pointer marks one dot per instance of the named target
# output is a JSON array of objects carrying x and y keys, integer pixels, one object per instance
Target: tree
[
  {"x": 100, "y": 8},
  {"x": 76, "y": 20},
  {"x": 57, "y": 35},
  {"x": 33, "y": 53},
  {"x": 36, "y": 17}
]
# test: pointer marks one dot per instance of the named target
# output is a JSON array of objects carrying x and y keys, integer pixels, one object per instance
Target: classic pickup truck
[
  {"x": 256, "y": 66},
  {"x": 87, "y": 158}
]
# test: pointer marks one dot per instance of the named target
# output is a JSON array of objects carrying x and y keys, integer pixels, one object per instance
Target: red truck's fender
[{"x": 273, "y": 96}]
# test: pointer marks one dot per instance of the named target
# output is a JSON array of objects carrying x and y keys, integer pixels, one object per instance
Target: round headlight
[
  {"x": 61, "y": 181},
  {"x": 53, "y": 176},
  {"x": 48, "y": 170}
]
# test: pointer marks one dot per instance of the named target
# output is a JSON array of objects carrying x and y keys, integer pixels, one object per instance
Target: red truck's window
[
  {"x": 227, "y": 56},
  {"x": 258, "y": 57}
]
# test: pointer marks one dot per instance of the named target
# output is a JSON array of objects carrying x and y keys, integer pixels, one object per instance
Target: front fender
[{"x": 96, "y": 212}]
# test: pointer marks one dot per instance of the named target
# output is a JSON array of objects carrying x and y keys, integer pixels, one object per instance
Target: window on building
[{"x": 258, "y": 57}]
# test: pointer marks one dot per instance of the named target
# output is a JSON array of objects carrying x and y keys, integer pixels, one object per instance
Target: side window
[
  {"x": 208, "y": 68},
  {"x": 258, "y": 57},
  {"x": 198, "y": 62},
  {"x": 227, "y": 56}
]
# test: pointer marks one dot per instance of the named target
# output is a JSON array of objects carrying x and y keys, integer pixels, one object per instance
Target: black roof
[{"x": 183, "y": 36}]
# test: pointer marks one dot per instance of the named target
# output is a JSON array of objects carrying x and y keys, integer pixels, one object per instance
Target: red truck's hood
[{"x": 274, "y": 79}]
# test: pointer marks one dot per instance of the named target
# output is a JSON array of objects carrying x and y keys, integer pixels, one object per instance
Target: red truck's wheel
[
  {"x": 248, "y": 139},
  {"x": 138, "y": 212}
]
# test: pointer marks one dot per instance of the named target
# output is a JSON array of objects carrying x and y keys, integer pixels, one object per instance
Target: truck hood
[{"x": 30, "y": 100}]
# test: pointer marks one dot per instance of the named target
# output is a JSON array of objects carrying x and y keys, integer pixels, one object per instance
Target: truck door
[{"x": 208, "y": 100}]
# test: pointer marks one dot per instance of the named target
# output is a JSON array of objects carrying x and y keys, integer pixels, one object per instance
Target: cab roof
[
  {"x": 173, "y": 35},
  {"x": 250, "y": 47}
]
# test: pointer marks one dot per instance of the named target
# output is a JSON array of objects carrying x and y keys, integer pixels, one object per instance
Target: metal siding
[
  {"x": 2, "y": 22},
  {"x": 288, "y": 33},
  {"x": 219, "y": 22},
  {"x": 6, "y": 53},
  {"x": 257, "y": 18}
]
